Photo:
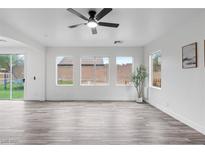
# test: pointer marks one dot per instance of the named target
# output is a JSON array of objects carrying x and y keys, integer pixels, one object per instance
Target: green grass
[
  {"x": 4, "y": 94},
  {"x": 64, "y": 82},
  {"x": 17, "y": 92}
]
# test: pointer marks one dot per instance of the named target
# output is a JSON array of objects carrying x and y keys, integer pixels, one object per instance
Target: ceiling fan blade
[
  {"x": 74, "y": 26},
  {"x": 77, "y": 13},
  {"x": 103, "y": 13},
  {"x": 94, "y": 31},
  {"x": 108, "y": 24}
]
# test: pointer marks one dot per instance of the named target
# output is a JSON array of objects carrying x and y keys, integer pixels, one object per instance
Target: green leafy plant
[{"x": 138, "y": 78}]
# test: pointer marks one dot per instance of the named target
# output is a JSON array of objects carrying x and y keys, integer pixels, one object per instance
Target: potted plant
[{"x": 138, "y": 78}]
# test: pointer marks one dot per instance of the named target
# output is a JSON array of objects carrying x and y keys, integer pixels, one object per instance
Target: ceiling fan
[{"x": 93, "y": 20}]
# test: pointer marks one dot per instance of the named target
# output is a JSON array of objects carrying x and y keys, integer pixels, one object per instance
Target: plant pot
[{"x": 139, "y": 100}]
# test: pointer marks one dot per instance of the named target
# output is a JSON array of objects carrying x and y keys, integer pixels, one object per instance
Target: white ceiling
[
  {"x": 7, "y": 42},
  {"x": 137, "y": 26}
]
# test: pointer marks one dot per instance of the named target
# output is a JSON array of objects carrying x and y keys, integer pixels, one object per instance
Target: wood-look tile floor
[{"x": 91, "y": 123}]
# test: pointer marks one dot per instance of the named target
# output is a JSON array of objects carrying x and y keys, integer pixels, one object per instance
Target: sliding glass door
[
  {"x": 17, "y": 76},
  {"x": 5, "y": 76},
  {"x": 11, "y": 77}
]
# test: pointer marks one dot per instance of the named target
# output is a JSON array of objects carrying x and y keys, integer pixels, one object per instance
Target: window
[
  {"x": 155, "y": 70},
  {"x": 101, "y": 71},
  {"x": 94, "y": 71},
  {"x": 124, "y": 70},
  {"x": 64, "y": 70},
  {"x": 87, "y": 71}
]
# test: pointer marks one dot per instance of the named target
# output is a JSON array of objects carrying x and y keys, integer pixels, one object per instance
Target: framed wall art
[{"x": 189, "y": 56}]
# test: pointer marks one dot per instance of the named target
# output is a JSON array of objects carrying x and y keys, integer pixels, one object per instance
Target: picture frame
[{"x": 189, "y": 56}]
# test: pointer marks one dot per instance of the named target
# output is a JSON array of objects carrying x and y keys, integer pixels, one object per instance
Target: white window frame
[
  {"x": 64, "y": 85},
  {"x": 133, "y": 67},
  {"x": 151, "y": 70},
  {"x": 95, "y": 85}
]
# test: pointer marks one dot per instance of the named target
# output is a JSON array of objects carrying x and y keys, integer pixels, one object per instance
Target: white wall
[
  {"x": 77, "y": 92},
  {"x": 34, "y": 66},
  {"x": 34, "y": 60},
  {"x": 182, "y": 94}
]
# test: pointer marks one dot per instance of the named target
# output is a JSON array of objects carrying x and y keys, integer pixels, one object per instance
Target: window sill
[
  {"x": 94, "y": 85},
  {"x": 65, "y": 85},
  {"x": 158, "y": 88},
  {"x": 123, "y": 85}
]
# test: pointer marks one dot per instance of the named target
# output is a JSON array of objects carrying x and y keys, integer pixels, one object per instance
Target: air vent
[{"x": 118, "y": 42}]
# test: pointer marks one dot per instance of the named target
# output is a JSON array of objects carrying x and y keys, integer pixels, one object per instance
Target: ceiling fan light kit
[
  {"x": 93, "y": 20},
  {"x": 92, "y": 24}
]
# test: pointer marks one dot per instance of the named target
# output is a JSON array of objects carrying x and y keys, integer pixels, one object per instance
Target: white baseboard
[{"x": 182, "y": 119}]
